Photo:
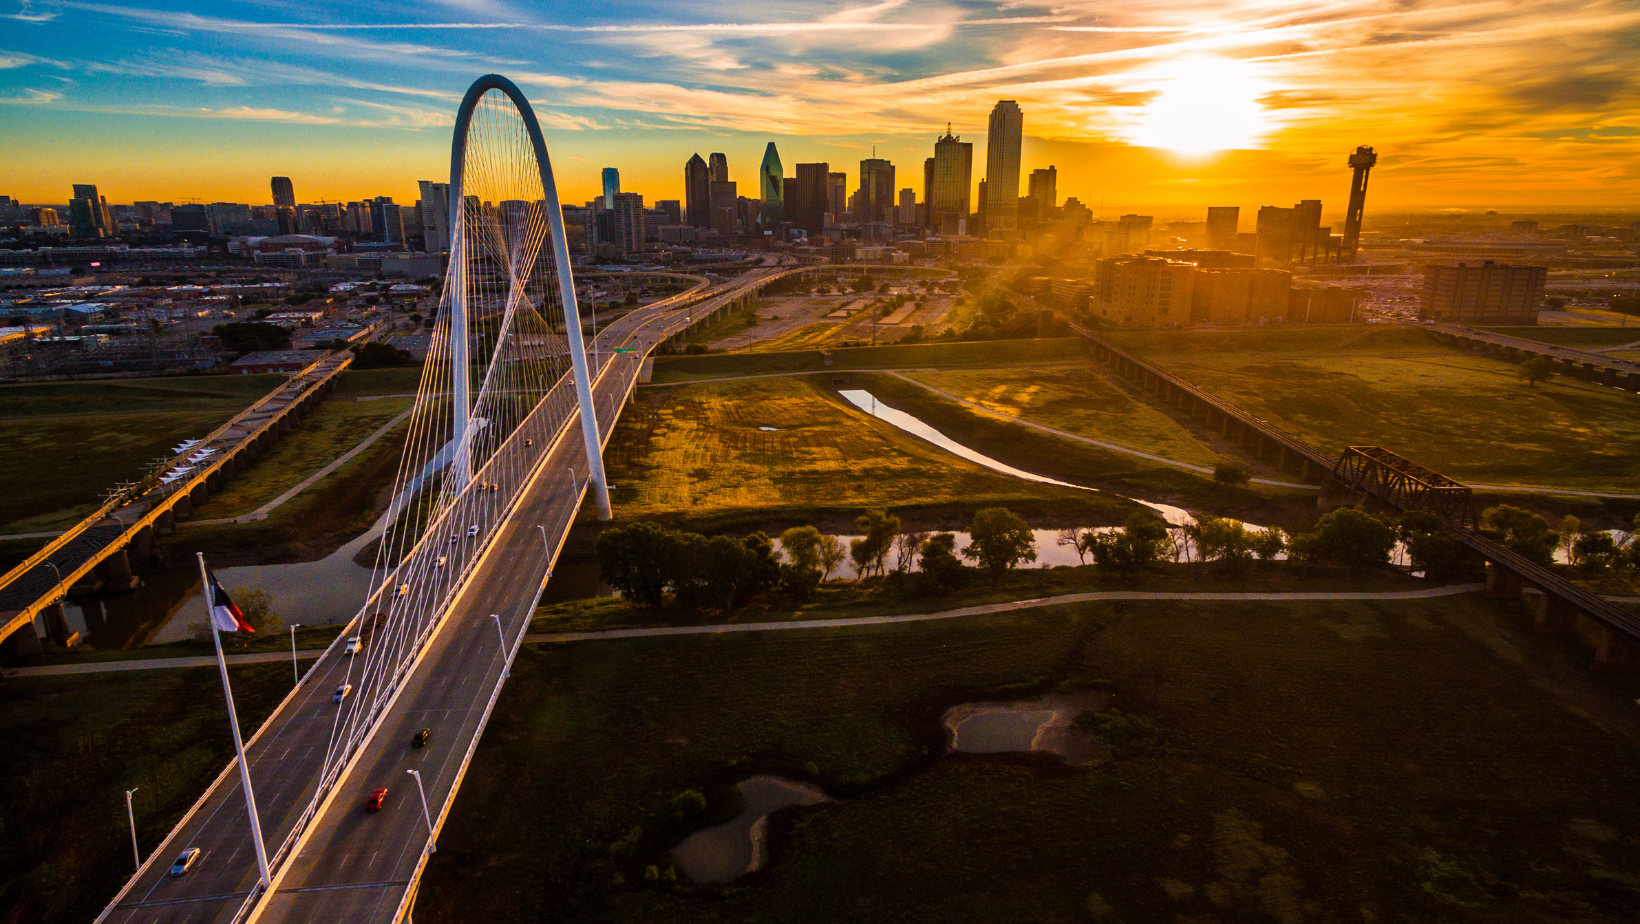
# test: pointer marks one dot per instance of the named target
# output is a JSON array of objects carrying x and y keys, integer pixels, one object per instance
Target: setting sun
[{"x": 1202, "y": 105}]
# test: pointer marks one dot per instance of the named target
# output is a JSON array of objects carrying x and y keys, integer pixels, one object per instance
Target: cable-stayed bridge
[{"x": 505, "y": 443}]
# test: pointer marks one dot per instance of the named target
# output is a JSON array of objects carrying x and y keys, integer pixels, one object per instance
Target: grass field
[
  {"x": 1466, "y": 416},
  {"x": 670, "y": 369},
  {"x": 1576, "y": 336},
  {"x": 333, "y": 428},
  {"x": 1085, "y": 401},
  {"x": 1325, "y": 762},
  {"x": 65, "y": 846},
  {"x": 79, "y": 438},
  {"x": 698, "y": 452},
  {"x": 400, "y": 380}
]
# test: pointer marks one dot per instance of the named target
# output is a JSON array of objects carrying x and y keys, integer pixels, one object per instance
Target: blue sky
[{"x": 1138, "y": 102}]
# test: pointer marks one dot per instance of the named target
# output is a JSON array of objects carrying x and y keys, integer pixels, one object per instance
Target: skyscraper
[
  {"x": 836, "y": 195},
  {"x": 953, "y": 178},
  {"x": 1306, "y": 227},
  {"x": 808, "y": 210},
  {"x": 435, "y": 216},
  {"x": 1044, "y": 188},
  {"x": 697, "y": 193},
  {"x": 720, "y": 168},
  {"x": 1002, "y": 166},
  {"x": 725, "y": 206},
  {"x": 1222, "y": 223},
  {"x": 876, "y": 188},
  {"x": 1275, "y": 236},
  {"x": 772, "y": 177},
  {"x": 387, "y": 221},
  {"x": 629, "y": 221},
  {"x": 907, "y": 215},
  {"x": 284, "y": 194},
  {"x": 612, "y": 186},
  {"x": 96, "y": 222}
]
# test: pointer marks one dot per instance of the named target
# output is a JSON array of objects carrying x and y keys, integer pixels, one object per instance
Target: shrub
[
  {"x": 1521, "y": 531},
  {"x": 1228, "y": 473},
  {"x": 1223, "y": 540}
]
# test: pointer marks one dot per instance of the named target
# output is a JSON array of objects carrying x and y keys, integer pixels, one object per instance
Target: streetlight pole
[
  {"x": 503, "y": 637},
  {"x": 544, "y": 543},
  {"x": 295, "y": 674},
  {"x": 432, "y": 846},
  {"x": 136, "y": 855}
]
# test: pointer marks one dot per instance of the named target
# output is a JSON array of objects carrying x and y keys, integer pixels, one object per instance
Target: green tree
[
  {"x": 246, "y": 337},
  {"x": 1223, "y": 540},
  {"x": 1595, "y": 551},
  {"x": 1570, "y": 528},
  {"x": 1268, "y": 543},
  {"x": 637, "y": 560},
  {"x": 1228, "y": 473},
  {"x": 1138, "y": 544},
  {"x": 831, "y": 555},
  {"x": 1537, "y": 369},
  {"x": 1352, "y": 538},
  {"x": 871, "y": 550},
  {"x": 999, "y": 539},
  {"x": 1521, "y": 531},
  {"x": 802, "y": 547},
  {"x": 378, "y": 355},
  {"x": 1429, "y": 547},
  {"x": 940, "y": 568}
]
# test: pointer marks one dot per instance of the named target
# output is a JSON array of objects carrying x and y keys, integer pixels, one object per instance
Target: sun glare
[{"x": 1202, "y": 105}]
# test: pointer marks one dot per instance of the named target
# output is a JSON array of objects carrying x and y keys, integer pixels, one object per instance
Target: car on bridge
[
  {"x": 374, "y": 802},
  {"x": 354, "y": 646},
  {"x": 472, "y": 531},
  {"x": 421, "y": 738},
  {"x": 341, "y": 692},
  {"x": 441, "y": 561},
  {"x": 186, "y": 860}
]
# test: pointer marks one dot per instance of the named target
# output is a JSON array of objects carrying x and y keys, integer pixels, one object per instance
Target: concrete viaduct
[
  {"x": 1594, "y": 367},
  {"x": 96, "y": 554}
]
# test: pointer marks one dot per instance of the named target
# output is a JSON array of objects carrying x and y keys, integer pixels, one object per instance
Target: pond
[
  {"x": 724, "y": 853},
  {"x": 170, "y": 601},
  {"x": 1040, "y": 725}
]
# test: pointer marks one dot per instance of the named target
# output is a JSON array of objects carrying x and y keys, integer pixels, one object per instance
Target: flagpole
[{"x": 233, "y": 720}]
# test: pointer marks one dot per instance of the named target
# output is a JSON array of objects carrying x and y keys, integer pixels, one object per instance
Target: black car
[{"x": 421, "y": 738}]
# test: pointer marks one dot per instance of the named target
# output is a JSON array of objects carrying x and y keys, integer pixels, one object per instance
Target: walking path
[
  {"x": 261, "y": 513},
  {"x": 143, "y": 664},
  {"x": 990, "y": 608}
]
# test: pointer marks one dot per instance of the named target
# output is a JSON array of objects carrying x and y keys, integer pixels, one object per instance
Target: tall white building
[{"x": 1002, "y": 166}]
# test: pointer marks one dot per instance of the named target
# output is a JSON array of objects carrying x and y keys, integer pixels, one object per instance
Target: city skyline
[{"x": 1128, "y": 102}]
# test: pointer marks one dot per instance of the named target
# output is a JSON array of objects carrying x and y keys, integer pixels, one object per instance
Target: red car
[{"x": 377, "y": 797}]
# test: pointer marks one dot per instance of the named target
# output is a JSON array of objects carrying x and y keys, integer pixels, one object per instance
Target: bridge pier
[
  {"x": 143, "y": 545},
  {"x": 1554, "y": 615},
  {"x": 1502, "y": 584},
  {"x": 1616, "y": 652},
  {"x": 200, "y": 494},
  {"x": 1608, "y": 377},
  {"x": 166, "y": 523},
  {"x": 1633, "y": 382},
  {"x": 25, "y": 641},
  {"x": 115, "y": 572},
  {"x": 56, "y": 625},
  {"x": 181, "y": 510}
]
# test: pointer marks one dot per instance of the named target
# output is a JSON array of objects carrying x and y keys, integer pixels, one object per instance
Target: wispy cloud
[{"x": 32, "y": 97}]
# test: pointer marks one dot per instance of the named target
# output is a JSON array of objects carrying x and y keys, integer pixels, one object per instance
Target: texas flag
[{"x": 225, "y": 614}]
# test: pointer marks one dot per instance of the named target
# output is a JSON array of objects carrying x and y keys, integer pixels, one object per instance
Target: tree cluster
[
  {"x": 378, "y": 355},
  {"x": 645, "y": 562}
]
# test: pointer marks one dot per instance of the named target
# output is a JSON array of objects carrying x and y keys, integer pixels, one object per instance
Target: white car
[
  {"x": 354, "y": 646},
  {"x": 441, "y": 561},
  {"x": 185, "y": 861},
  {"x": 472, "y": 531},
  {"x": 341, "y": 692}
]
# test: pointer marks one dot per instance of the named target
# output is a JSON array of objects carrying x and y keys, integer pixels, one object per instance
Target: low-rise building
[
  {"x": 276, "y": 361},
  {"x": 1142, "y": 291},
  {"x": 1234, "y": 297},
  {"x": 1482, "y": 293}
]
